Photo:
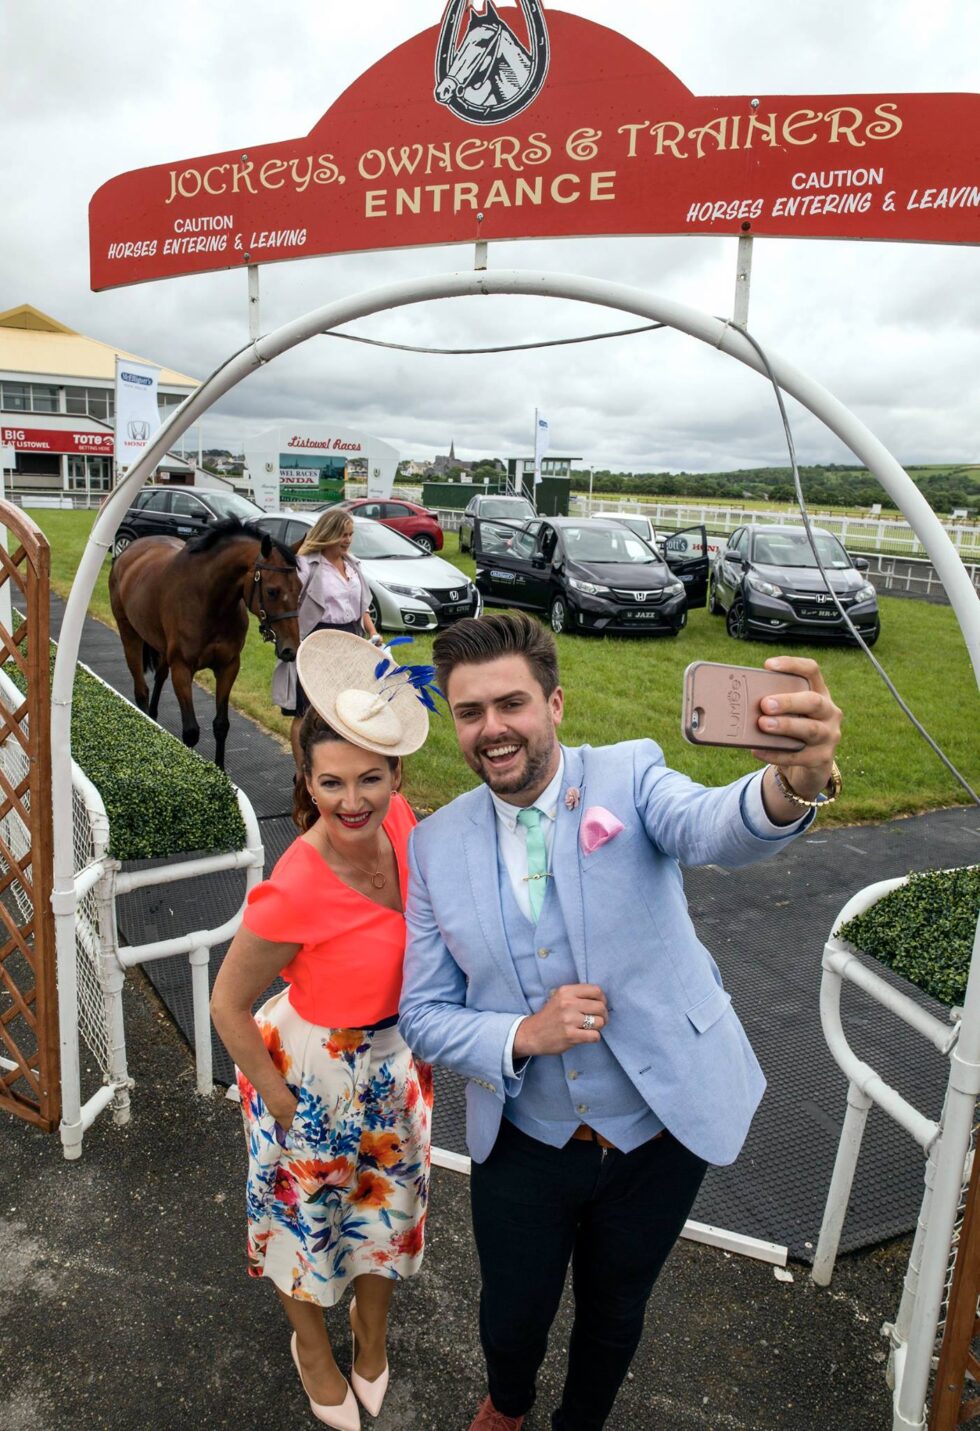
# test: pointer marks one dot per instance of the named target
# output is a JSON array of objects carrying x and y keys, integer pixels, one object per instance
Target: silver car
[{"x": 410, "y": 590}]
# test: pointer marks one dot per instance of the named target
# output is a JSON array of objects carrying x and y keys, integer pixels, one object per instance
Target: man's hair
[{"x": 476, "y": 640}]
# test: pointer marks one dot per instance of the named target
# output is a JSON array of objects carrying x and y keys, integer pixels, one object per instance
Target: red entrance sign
[
  {"x": 599, "y": 138},
  {"x": 39, "y": 439}
]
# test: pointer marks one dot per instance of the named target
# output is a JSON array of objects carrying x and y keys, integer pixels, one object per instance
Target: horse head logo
[{"x": 487, "y": 75}]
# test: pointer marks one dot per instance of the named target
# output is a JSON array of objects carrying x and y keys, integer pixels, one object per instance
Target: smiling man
[{"x": 553, "y": 964}]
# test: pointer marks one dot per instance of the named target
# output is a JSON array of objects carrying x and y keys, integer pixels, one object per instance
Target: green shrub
[
  {"x": 161, "y": 798},
  {"x": 924, "y": 931}
]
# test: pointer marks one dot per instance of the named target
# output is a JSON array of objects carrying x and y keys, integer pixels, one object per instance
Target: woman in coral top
[{"x": 337, "y": 1111}]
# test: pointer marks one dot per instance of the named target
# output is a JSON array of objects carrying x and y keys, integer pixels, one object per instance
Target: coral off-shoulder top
[{"x": 348, "y": 970}]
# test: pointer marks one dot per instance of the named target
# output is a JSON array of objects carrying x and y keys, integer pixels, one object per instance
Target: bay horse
[{"x": 184, "y": 607}]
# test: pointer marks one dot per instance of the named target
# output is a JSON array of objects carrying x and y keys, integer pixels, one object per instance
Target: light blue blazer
[{"x": 671, "y": 1024}]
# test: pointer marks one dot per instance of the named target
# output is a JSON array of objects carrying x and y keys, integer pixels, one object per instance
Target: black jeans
[{"x": 615, "y": 1216}]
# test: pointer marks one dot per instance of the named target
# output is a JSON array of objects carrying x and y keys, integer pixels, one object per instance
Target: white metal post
[
  {"x": 898, "y": 1330},
  {"x": 63, "y": 904},
  {"x": 858, "y": 1106},
  {"x": 964, "y": 1085},
  {"x": 200, "y": 960},
  {"x": 743, "y": 281},
  {"x": 112, "y": 979},
  {"x": 254, "y": 328}
]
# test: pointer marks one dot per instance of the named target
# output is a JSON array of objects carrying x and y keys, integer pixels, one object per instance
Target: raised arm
[
  {"x": 810, "y": 716},
  {"x": 750, "y": 818}
]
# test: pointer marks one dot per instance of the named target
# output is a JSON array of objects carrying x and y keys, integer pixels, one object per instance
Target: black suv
[
  {"x": 179, "y": 512},
  {"x": 591, "y": 574},
  {"x": 767, "y": 584},
  {"x": 513, "y": 510}
]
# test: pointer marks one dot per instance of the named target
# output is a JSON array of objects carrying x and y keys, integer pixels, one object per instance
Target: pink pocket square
[{"x": 598, "y": 825}]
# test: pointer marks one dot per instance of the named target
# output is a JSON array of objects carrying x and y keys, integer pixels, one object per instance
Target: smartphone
[{"x": 722, "y": 705}]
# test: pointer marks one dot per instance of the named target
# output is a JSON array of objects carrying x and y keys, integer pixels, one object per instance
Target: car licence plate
[
  {"x": 819, "y": 613},
  {"x": 642, "y": 615}
]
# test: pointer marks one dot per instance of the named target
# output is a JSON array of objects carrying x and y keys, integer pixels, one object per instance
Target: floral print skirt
[{"x": 342, "y": 1191}]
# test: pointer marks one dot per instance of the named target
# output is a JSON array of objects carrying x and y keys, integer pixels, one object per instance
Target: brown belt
[
  {"x": 589, "y": 1135},
  {"x": 585, "y": 1134}
]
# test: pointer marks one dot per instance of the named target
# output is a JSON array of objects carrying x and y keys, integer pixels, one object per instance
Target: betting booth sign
[{"x": 508, "y": 122}]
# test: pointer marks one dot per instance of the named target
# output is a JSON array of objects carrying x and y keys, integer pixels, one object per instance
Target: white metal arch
[{"x": 714, "y": 331}]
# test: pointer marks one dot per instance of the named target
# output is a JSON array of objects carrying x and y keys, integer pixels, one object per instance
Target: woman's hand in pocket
[{"x": 284, "y": 1109}]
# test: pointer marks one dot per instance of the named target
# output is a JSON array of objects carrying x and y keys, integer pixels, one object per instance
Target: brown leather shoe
[{"x": 488, "y": 1418}]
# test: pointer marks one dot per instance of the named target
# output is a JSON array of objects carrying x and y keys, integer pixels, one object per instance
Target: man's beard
[{"x": 538, "y": 758}]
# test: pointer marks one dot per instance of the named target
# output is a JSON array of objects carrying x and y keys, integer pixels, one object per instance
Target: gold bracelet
[{"x": 827, "y": 795}]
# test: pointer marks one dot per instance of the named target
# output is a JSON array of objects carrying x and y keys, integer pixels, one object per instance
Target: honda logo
[
  {"x": 454, "y": 596},
  {"x": 640, "y": 595},
  {"x": 139, "y": 431}
]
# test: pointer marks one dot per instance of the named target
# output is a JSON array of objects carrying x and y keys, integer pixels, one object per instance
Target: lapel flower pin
[{"x": 573, "y": 798}]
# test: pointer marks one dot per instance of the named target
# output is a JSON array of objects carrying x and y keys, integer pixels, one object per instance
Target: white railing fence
[
  {"x": 92, "y": 975},
  {"x": 946, "y": 1141},
  {"x": 859, "y": 534}
]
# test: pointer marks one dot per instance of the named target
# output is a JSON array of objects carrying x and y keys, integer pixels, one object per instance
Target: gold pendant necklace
[{"x": 377, "y": 879}]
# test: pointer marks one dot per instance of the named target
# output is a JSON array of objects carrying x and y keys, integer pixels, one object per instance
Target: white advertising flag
[
  {"x": 137, "y": 415},
  {"x": 542, "y": 441}
]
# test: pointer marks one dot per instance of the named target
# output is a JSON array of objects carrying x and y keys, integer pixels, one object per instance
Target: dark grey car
[
  {"x": 591, "y": 575},
  {"x": 508, "y": 510},
  {"x": 182, "y": 512},
  {"x": 767, "y": 584}
]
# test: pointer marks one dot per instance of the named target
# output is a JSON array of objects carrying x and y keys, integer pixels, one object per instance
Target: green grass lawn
[{"x": 621, "y": 689}]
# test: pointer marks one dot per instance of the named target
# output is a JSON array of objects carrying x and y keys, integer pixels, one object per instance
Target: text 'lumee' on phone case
[{"x": 722, "y": 705}]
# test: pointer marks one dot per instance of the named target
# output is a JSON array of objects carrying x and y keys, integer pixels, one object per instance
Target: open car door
[
  {"x": 686, "y": 553},
  {"x": 504, "y": 572}
]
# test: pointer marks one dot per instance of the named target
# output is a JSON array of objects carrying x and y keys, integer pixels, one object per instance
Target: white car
[
  {"x": 642, "y": 526},
  {"x": 410, "y": 590}
]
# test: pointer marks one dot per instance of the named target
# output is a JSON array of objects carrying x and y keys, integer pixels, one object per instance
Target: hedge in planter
[
  {"x": 161, "y": 798},
  {"x": 924, "y": 931}
]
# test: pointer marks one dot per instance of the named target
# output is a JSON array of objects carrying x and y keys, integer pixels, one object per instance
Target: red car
[{"x": 413, "y": 521}]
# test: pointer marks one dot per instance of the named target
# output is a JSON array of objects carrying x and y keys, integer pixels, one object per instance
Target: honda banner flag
[
  {"x": 137, "y": 416},
  {"x": 542, "y": 441}
]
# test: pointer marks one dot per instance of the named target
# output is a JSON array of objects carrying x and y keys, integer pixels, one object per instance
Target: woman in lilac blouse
[{"x": 335, "y": 596}]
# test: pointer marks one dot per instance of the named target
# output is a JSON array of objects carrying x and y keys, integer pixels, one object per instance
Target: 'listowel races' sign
[{"x": 507, "y": 122}]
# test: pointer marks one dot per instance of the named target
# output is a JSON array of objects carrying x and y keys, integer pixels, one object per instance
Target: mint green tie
[{"x": 537, "y": 858}]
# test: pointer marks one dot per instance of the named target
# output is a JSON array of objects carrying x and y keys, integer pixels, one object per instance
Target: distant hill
[{"x": 944, "y": 485}]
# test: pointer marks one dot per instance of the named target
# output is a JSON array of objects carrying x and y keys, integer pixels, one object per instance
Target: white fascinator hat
[{"x": 363, "y": 694}]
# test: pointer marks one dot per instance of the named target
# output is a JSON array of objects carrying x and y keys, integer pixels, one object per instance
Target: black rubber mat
[{"x": 765, "y": 925}]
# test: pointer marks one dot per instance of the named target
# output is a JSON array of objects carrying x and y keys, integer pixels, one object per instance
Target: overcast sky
[{"x": 92, "y": 90}]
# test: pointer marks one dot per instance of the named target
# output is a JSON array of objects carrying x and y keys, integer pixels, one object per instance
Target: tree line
[{"x": 829, "y": 484}]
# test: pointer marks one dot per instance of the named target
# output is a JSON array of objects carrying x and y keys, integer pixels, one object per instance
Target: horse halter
[{"x": 266, "y": 622}]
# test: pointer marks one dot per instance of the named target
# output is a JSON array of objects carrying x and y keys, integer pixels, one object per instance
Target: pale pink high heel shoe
[
  {"x": 343, "y": 1417},
  {"x": 369, "y": 1393}
]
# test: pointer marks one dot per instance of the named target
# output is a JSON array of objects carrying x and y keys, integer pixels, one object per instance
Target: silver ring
[{"x": 589, "y": 1021}]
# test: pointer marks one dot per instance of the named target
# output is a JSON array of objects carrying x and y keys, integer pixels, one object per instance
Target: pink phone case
[{"x": 722, "y": 705}]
